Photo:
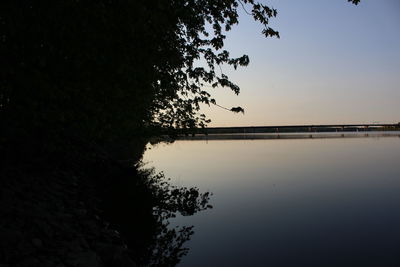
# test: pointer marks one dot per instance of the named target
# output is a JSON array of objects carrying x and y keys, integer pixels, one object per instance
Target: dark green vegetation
[{"x": 80, "y": 80}]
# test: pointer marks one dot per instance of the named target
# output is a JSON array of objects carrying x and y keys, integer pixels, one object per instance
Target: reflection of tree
[{"x": 141, "y": 209}]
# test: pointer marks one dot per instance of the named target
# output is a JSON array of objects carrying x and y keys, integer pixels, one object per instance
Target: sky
[{"x": 334, "y": 63}]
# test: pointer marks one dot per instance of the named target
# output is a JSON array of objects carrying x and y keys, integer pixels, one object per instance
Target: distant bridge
[{"x": 296, "y": 128}]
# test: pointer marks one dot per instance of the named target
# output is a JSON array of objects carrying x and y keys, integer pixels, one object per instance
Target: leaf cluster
[{"x": 200, "y": 34}]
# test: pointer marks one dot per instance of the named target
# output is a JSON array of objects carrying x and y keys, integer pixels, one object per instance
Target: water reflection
[
  {"x": 141, "y": 209},
  {"x": 309, "y": 202}
]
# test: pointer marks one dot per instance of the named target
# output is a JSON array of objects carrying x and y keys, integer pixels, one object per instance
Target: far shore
[{"x": 292, "y": 135}]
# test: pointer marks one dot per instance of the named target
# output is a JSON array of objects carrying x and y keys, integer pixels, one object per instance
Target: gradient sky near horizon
[{"x": 334, "y": 63}]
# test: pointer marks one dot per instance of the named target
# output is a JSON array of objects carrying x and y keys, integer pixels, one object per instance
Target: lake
[{"x": 289, "y": 202}]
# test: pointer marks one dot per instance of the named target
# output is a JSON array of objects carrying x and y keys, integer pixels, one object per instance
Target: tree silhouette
[
  {"x": 103, "y": 71},
  {"x": 106, "y": 70}
]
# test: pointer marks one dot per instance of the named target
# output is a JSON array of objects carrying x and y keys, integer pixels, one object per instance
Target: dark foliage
[
  {"x": 106, "y": 70},
  {"x": 354, "y": 1}
]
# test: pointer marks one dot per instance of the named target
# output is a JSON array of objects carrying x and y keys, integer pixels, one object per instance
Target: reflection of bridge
[{"x": 300, "y": 128}]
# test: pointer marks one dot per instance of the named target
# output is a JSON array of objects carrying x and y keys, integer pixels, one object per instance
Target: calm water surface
[{"x": 298, "y": 202}]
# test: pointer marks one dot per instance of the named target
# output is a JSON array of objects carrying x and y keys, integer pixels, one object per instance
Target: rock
[
  {"x": 37, "y": 242},
  {"x": 86, "y": 259},
  {"x": 123, "y": 260},
  {"x": 47, "y": 223},
  {"x": 10, "y": 237},
  {"x": 30, "y": 262},
  {"x": 47, "y": 263},
  {"x": 81, "y": 212},
  {"x": 47, "y": 230},
  {"x": 108, "y": 251},
  {"x": 114, "y": 255}
]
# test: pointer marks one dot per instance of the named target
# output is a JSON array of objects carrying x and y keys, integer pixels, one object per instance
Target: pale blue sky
[{"x": 334, "y": 63}]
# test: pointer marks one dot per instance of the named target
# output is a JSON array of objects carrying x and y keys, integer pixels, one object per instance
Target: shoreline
[
  {"x": 85, "y": 207},
  {"x": 56, "y": 219}
]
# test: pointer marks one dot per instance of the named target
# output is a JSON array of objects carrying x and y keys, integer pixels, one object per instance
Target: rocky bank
[{"x": 55, "y": 219}]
